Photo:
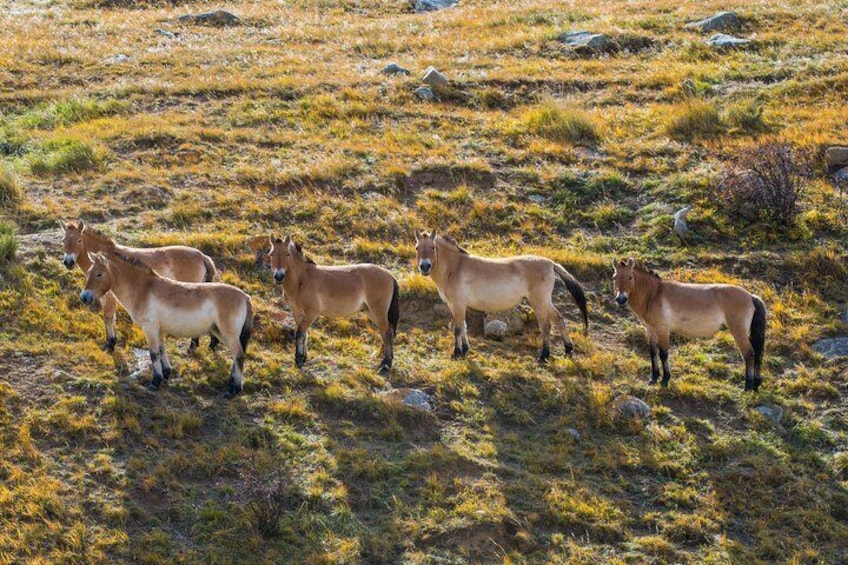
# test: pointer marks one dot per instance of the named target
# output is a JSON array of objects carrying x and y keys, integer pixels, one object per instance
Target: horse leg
[
  {"x": 740, "y": 336},
  {"x": 545, "y": 327},
  {"x": 154, "y": 346},
  {"x": 388, "y": 335},
  {"x": 236, "y": 382},
  {"x": 662, "y": 344},
  {"x": 460, "y": 337},
  {"x": 110, "y": 305},
  {"x": 300, "y": 338},
  {"x": 654, "y": 352},
  {"x": 166, "y": 364},
  {"x": 563, "y": 329}
]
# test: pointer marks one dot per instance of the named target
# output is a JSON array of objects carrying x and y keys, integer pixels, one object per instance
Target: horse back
[{"x": 177, "y": 262}]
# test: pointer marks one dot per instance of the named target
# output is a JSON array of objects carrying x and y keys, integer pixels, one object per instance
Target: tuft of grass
[
  {"x": 11, "y": 191},
  {"x": 561, "y": 124},
  {"x": 69, "y": 112},
  {"x": 746, "y": 117},
  {"x": 8, "y": 243},
  {"x": 66, "y": 156},
  {"x": 694, "y": 119}
]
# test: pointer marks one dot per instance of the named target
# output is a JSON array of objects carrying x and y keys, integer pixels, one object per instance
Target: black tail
[
  {"x": 246, "y": 328},
  {"x": 758, "y": 331},
  {"x": 394, "y": 308},
  {"x": 210, "y": 269},
  {"x": 576, "y": 291}
]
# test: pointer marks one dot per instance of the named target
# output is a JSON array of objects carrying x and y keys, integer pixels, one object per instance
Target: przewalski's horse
[
  {"x": 692, "y": 310},
  {"x": 312, "y": 291},
  {"x": 495, "y": 285},
  {"x": 162, "y": 306},
  {"x": 174, "y": 262}
]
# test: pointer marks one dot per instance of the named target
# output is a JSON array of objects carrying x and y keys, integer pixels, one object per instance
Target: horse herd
[{"x": 170, "y": 291}]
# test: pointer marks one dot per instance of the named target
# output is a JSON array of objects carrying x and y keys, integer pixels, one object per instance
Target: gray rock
[
  {"x": 588, "y": 42},
  {"x": 371, "y": 195},
  {"x": 394, "y": 69},
  {"x": 841, "y": 176},
  {"x": 574, "y": 433},
  {"x": 724, "y": 40},
  {"x": 425, "y": 93},
  {"x": 142, "y": 363},
  {"x": 770, "y": 412},
  {"x": 835, "y": 157},
  {"x": 218, "y": 18},
  {"x": 833, "y": 347},
  {"x": 117, "y": 59},
  {"x": 721, "y": 21},
  {"x": 537, "y": 198},
  {"x": 434, "y": 78},
  {"x": 626, "y": 407},
  {"x": 432, "y": 5},
  {"x": 681, "y": 227},
  {"x": 495, "y": 329},
  {"x": 411, "y": 397},
  {"x": 513, "y": 318},
  {"x": 166, "y": 33}
]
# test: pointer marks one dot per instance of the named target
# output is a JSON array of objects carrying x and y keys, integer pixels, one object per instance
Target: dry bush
[{"x": 269, "y": 492}]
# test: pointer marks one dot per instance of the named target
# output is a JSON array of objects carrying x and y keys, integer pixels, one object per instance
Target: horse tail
[
  {"x": 576, "y": 291},
  {"x": 394, "y": 307},
  {"x": 210, "y": 268},
  {"x": 246, "y": 327},
  {"x": 757, "y": 334}
]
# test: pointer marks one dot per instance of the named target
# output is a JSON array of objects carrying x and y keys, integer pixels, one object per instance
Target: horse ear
[
  {"x": 614, "y": 264},
  {"x": 81, "y": 224},
  {"x": 432, "y": 233},
  {"x": 288, "y": 239},
  {"x": 631, "y": 261},
  {"x": 92, "y": 257},
  {"x": 417, "y": 236}
]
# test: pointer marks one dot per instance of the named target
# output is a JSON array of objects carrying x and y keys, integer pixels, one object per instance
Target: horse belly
[
  {"x": 339, "y": 307},
  {"x": 188, "y": 323},
  {"x": 496, "y": 296},
  {"x": 698, "y": 325}
]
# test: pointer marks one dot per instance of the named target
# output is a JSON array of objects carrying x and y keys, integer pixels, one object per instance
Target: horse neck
[
  {"x": 448, "y": 257},
  {"x": 295, "y": 273},
  {"x": 129, "y": 284},
  {"x": 644, "y": 292}
]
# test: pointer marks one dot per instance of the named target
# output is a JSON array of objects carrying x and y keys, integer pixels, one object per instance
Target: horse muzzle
[
  {"x": 621, "y": 299},
  {"x": 87, "y": 297},
  {"x": 279, "y": 275},
  {"x": 69, "y": 261},
  {"x": 425, "y": 267}
]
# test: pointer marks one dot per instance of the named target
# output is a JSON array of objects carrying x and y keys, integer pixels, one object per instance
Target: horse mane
[
  {"x": 452, "y": 242},
  {"x": 131, "y": 261},
  {"x": 639, "y": 266},
  {"x": 101, "y": 237},
  {"x": 306, "y": 259}
]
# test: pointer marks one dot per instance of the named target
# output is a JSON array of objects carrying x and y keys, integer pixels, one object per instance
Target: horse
[
  {"x": 494, "y": 285},
  {"x": 174, "y": 262},
  {"x": 162, "y": 306},
  {"x": 691, "y": 310},
  {"x": 313, "y": 290}
]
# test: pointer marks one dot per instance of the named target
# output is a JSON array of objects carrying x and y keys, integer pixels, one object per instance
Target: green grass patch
[
  {"x": 558, "y": 123},
  {"x": 11, "y": 191},
  {"x": 66, "y": 156}
]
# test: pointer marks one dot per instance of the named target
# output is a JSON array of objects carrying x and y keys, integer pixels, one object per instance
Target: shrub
[
  {"x": 65, "y": 156},
  {"x": 564, "y": 125},
  {"x": 766, "y": 181},
  {"x": 11, "y": 192},
  {"x": 747, "y": 117},
  {"x": 269, "y": 494},
  {"x": 696, "y": 119},
  {"x": 8, "y": 243}
]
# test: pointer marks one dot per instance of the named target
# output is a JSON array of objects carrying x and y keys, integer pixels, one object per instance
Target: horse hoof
[
  {"x": 569, "y": 349},
  {"x": 166, "y": 373},
  {"x": 109, "y": 345},
  {"x": 152, "y": 387},
  {"x": 233, "y": 391},
  {"x": 653, "y": 381},
  {"x": 665, "y": 383},
  {"x": 300, "y": 361}
]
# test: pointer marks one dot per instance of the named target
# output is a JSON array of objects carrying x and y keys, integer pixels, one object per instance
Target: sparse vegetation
[
  {"x": 65, "y": 156},
  {"x": 694, "y": 119},
  {"x": 557, "y": 123},
  {"x": 11, "y": 191},
  {"x": 8, "y": 243}
]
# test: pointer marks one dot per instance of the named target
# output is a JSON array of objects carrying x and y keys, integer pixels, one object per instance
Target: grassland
[{"x": 284, "y": 123}]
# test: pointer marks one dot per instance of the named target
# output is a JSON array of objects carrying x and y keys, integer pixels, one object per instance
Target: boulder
[
  {"x": 495, "y": 329},
  {"x": 626, "y": 407},
  {"x": 117, "y": 59},
  {"x": 536, "y": 198},
  {"x": 833, "y": 347},
  {"x": 584, "y": 41},
  {"x": 721, "y": 21},
  {"x": 432, "y": 5},
  {"x": 841, "y": 176},
  {"x": 394, "y": 69},
  {"x": 425, "y": 93},
  {"x": 217, "y": 18},
  {"x": 728, "y": 41},
  {"x": 681, "y": 227},
  {"x": 433, "y": 77},
  {"x": 770, "y": 412},
  {"x": 836, "y": 157},
  {"x": 411, "y": 397},
  {"x": 513, "y": 318}
]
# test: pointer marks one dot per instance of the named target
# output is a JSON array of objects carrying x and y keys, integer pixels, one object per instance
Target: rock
[
  {"x": 626, "y": 407},
  {"x": 836, "y": 157},
  {"x": 574, "y": 433},
  {"x": 117, "y": 59},
  {"x": 411, "y": 397},
  {"x": 217, "y": 18},
  {"x": 833, "y": 347},
  {"x": 166, "y": 33},
  {"x": 371, "y": 195},
  {"x": 142, "y": 363},
  {"x": 681, "y": 227},
  {"x": 721, "y": 21},
  {"x": 588, "y": 42},
  {"x": 432, "y": 5},
  {"x": 513, "y": 318},
  {"x": 841, "y": 176},
  {"x": 724, "y": 40},
  {"x": 425, "y": 93},
  {"x": 434, "y": 78},
  {"x": 770, "y": 412},
  {"x": 537, "y": 198},
  {"x": 394, "y": 69},
  {"x": 495, "y": 329}
]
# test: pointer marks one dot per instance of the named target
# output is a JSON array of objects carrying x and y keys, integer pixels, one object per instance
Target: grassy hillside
[{"x": 163, "y": 132}]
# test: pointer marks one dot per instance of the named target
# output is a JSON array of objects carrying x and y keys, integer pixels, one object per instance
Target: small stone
[
  {"x": 142, "y": 363},
  {"x": 833, "y": 347},
  {"x": 513, "y": 318},
  {"x": 119, "y": 58},
  {"x": 836, "y": 157},
  {"x": 411, "y": 397},
  {"x": 724, "y": 40},
  {"x": 394, "y": 69},
  {"x": 425, "y": 93},
  {"x": 574, "y": 433},
  {"x": 841, "y": 176},
  {"x": 434, "y": 78},
  {"x": 537, "y": 198},
  {"x": 371, "y": 195},
  {"x": 770, "y": 412},
  {"x": 218, "y": 18},
  {"x": 495, "y": 329},
  {"x": 432, "y": 5},
  {"x": 166, "y": 33},
  {"x": 721, "y": 21},
  {"x": 587, "y": 41},
  {"x": 681, "y": 227},
  {"x": 626, "y": 407}
]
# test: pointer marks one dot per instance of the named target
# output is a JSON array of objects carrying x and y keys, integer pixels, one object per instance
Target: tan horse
[
  {"x": 312, "y": 291},
  {"x": 691, "y": 310},
  {"x": 174, "y": 262},
  {"x": 495, "y": 285},
  {"x": 162, "y": 306}
]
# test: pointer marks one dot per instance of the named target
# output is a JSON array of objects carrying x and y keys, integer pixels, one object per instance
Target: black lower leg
[
  {"x": 300, "y": 348},
  {"x": 195, "y": 342},
  {"x": 655, "y": 368},
  {"x": 157, "y": 375},
  {"x": 213, "y": 342},
  {"x": 110, "y": 343},
  {"x": 666, "y": 370},
  {"x": 544, "y": 353},
  {"x": 458, "y": 346}
]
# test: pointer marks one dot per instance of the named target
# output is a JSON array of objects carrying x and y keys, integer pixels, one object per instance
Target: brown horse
[
  {"x": 691, "y": 310},
  {"x": 495, "y": 285},
  {"x": 174, "y": 262},
  {"x": 162, "y": 306},
  {"x": 312, "y": 291}
]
